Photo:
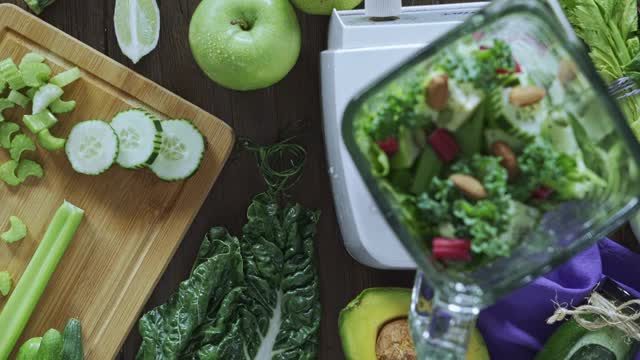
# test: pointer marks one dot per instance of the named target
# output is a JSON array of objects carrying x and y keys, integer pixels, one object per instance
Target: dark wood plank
[{"x": 291, "y": 108}]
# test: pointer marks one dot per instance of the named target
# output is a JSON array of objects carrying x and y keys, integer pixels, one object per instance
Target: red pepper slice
[
  {"x": 542, "y": 192},
  {"x": 389, "y": 146},
  {"x": 451, "y": 249},
  {"x": 440, "y": 242},
  {"x": 444, "y": 144},
  {"x": 518, "y": 68}
]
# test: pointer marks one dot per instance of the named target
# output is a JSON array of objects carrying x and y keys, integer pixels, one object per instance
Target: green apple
[
  {"x": 245, "y": 44},
  {"x": 325, "y": 7}
]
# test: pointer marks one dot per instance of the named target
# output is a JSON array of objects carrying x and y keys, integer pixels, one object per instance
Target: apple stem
[{"x": 243, "y": 24}]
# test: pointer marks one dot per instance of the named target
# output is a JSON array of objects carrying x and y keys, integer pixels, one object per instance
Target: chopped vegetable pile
[
  {"x": 474, "y": 149},
  {"x": 55, "y": 346}
]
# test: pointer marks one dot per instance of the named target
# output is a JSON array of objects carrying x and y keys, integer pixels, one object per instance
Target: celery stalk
[{"x": 34, "y": 280}]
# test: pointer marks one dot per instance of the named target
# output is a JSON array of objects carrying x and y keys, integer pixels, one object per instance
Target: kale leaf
[
  {"x": 255, "y": 298},
  {"x": 481, "y": 66}
]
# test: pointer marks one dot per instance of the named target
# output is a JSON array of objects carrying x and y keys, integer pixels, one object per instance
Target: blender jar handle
[{"x": 440, "y": 329}]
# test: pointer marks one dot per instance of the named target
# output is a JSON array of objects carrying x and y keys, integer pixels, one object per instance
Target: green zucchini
[
  {"x": 51, "y": 346},
  {"x": 29, "y": 349},
  {"x": 72, "y": 341}
]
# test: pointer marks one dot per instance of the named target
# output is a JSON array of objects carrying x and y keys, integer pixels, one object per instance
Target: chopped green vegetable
[
  {"x": 60, "y": 107},
  {"x": 20, "y": 144},
  {"x": 16, "y": 232},
  {"x": 7, "y": 129},
  {"x": 51, "y": 346},
  {"x": 34, "y": 280},
  {"x": 72, "y": 341},
  {"x": 481, "y": 66},
  {"x": 27, "y": 168},
  {"x": 46, "y": 95},
  {"x": 50, "y": 142},
  {"x": 10, "y": 73},
  {"x": 5, "y": 283},
  {"x": 29, "y": 349},
  {"x": 65, "y": 78},
  {"x": 40, "y": 121},
  {"x": 17, "y": 98},
  {"x": 37, "y": 6},
  {"x": 4, "y": 105},
  {"x": 35, "y": 74},
  {"x": 31, "y": 58},
  {"x": 31, "y": 92},
  {"x": 8, "y": 173}
]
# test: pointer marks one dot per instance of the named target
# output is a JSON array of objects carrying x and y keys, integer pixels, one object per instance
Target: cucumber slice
[
  {"x": 17, "y": 231},
  {"x": 8, "y": 173},
  {"x": 60, "y": 107},
  {"x": 140, "y": 136},
  {"x": 525, "y": 122},
  {"x": 50, "y": 142},
  {"x": 35, "y": 74},
  {"x": 65, "y": 78},
  {"x": 40, "y": 121},
  {"x": 17, "y": 98},
  {"x": 27, "y": 168},
  {"x": 20, "y": 144},
  {"x": 7, "y": 129},
  {"x": 45, "y": 96},
  {"x": 10, "y": 73},
  {"x": 181, "y": 152},
  {"x": 31, "y": 58},
  {"x": 92, "y": 147},
  {"x": 4, "y": 105}
]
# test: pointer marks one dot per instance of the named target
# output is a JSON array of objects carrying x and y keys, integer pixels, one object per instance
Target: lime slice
[{"x": 137, "y": 24}]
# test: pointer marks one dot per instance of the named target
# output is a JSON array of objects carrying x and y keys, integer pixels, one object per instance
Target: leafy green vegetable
[
  {"x": 34, "y": 280},
  {"x": 252, "y": 299},
  {"x": 5, "y": 283},
  {"x": 480, "y": 67}
]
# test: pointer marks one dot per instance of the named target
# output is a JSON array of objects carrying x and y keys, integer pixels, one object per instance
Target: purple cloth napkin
[{"x": 515, "y": 328}]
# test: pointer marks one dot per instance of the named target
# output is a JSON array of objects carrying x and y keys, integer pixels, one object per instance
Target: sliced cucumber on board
[
  {"x": 181, "y": 152},
  {"x": 92, "y": 147},
  {"x": 140, "y": 135}
]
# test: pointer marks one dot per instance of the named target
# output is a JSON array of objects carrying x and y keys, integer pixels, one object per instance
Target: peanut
[
  {"x": 469, "y": 186},
  {"x": 437, "y": 92},
  {"x": 509, "y": 159},
  {"x": 525, "y": 95}
]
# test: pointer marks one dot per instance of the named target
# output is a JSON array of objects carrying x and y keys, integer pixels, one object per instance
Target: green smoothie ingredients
[
  {"x": 55, "y": 346},
  {"x": 16, "y": 232},
  {"x": 137, "y": 25},
  {"x": 5, "y": 283},
  {"x": 253, "y": 297},
  {"x": 37, "y": 6},
  {"x": 36, "y": 276},
  {"x": 473, "y": 150}
]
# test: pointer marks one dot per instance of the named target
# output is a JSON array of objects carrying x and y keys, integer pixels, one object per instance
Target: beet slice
[
  {"x": 451, "y": 249},
  {"x": 444, "y": 144},
  {"x": 440, "y": 242},
  {"x": 542, "y": 192}
]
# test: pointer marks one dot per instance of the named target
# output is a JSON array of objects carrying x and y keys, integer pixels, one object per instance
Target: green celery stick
[{"x": 34, "y": 280}]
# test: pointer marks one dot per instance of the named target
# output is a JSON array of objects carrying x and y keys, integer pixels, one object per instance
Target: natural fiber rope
[{"x": 603, "y": 313}]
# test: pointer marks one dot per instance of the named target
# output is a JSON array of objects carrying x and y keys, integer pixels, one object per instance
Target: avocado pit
[{"x": 394, "y": 341}]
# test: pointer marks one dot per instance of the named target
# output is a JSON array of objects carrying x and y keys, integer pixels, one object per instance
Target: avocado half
[{"x": 362, "y": 319}]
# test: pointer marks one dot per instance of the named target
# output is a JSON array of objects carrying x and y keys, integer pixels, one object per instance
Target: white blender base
[{"x": 360, "y": 51}]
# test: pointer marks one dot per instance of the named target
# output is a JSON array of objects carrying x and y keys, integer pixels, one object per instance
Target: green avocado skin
[{"x": 245, "y": 59}]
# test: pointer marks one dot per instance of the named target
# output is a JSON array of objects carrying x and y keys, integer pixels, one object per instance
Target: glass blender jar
[{"x": 543, "y": 46}]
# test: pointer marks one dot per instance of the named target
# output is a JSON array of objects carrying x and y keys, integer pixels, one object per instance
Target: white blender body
[{"x": 361, "y": 50}]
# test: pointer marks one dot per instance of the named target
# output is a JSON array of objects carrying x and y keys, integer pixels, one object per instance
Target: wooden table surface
[{"x": 290, "y": 108}]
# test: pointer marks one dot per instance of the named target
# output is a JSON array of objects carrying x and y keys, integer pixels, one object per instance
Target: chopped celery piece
[
  {"x": 60, "y": 107},
  {"x": 40, "y": 121},
  {"x": 3, "y": 84},
  {"x": 50, "y": 142},
  {"x": 20, "y": 144},
  {"x": 34, "y": 280},
  {"x": 7, "y": 129},
  {"x": 37, "y": 6},
  {"x": 17, "y": 231},
  {"x": 45, "y": 96},
  {"x": 17, "y": 98},
  {"x": 65, "y": 78},
  {"x": 35, "y": 74},
  {"x": 4, "y": 105},
  {"x": 8, "y": 174},
  {"x": 28, "y": 168},
  {"x": 10, "y": 73},
  {"x": 31, "y": 58},
  {"x": 5, "y": 283},
  {"x": 31, "y": 92}
]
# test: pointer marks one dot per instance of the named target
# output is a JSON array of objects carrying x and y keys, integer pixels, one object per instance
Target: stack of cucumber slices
[{"x": 135, "y": 139}]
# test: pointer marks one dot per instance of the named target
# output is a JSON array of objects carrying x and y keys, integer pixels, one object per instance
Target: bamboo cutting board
[{"x": 133, "y": 222}]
